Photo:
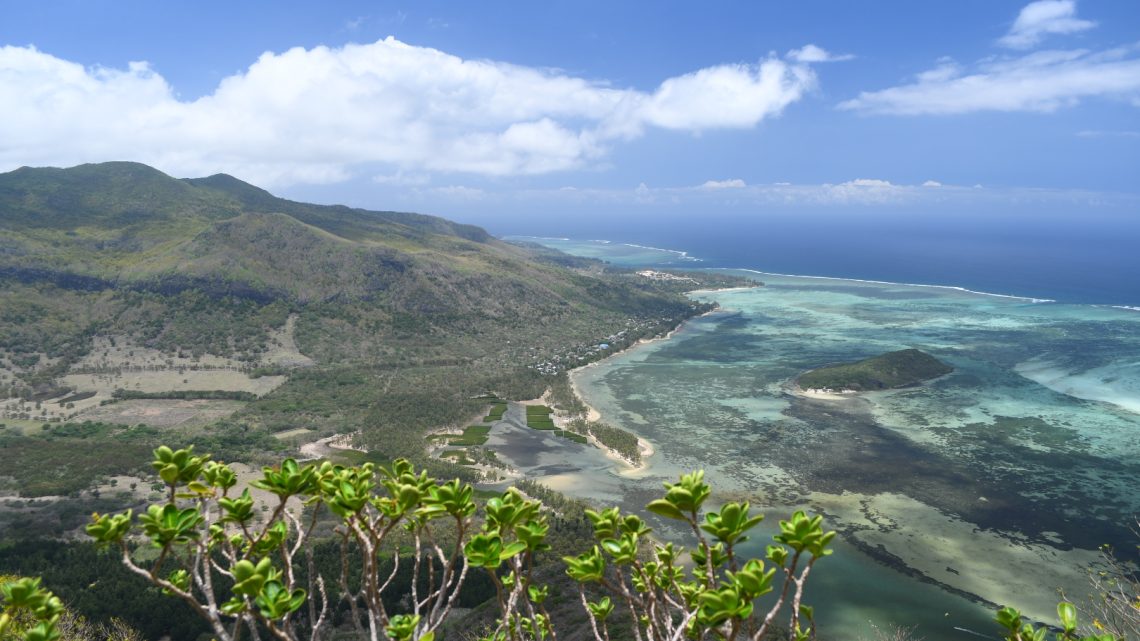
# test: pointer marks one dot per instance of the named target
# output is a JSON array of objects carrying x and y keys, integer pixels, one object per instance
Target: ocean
[
  {"x": 1091, "y": 258},
  {"x": 994, "y": 485}
]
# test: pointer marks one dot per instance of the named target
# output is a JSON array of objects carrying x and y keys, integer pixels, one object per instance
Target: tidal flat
[{"x": 995, "y": 484}]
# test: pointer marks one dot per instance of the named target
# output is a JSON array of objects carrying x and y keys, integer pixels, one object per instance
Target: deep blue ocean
[{"x": 1085, "y": 258}]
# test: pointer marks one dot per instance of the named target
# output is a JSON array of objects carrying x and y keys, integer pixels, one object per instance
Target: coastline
[
  {"x": 955, "y": 288},
  {"x": 646, "y": 448},
  {"x": 870, "y": 524},
  {"x": 685, "y": 256},
  {"x": 922, "y": 541}
]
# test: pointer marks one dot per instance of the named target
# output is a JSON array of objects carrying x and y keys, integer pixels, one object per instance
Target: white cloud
[
  {"x": 325, "y": 114},
  {"x": 644, "y": 195},
  {"x": 1103, "y": 133},
  {"x": 811, "y": 53},
  {"x": 870, "y": 183},
  {"x": 721, "y": 97},
  {"x": 460, "y": 192},
  {"x": 734, "y": 183},
  {"x": 856, "y": 193},
  {"x": 1041, "y": 18},
  {"x": 860, "y": 191},
  {"x": 402, "y": 179},
  {"x": 1043, "y": 81},
  {"x": 947, "y": 69}
]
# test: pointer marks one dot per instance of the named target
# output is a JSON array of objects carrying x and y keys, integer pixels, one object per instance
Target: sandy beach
[
  {"x": 822, "y": 396},
  {"x": 593, "y": 415},
  {"x": 721, "y": 290}
]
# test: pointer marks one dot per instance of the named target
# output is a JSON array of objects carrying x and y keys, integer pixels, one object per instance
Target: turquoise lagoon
[{"x": 994, "y": 484}]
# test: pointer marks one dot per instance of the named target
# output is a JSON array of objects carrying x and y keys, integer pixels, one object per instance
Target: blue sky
[{"x": 529, "y": 110}]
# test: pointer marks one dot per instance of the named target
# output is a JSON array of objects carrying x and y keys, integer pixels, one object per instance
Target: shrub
[
  {"x": 205, "y": 523},
  {"x": 204, "y": 528}
]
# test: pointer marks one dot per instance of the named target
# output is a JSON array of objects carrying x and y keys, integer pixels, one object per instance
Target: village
[{"x": 581, "y": 354}]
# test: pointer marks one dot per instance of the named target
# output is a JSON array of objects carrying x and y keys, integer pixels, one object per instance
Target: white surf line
[
  {"x": 887, "y": 282},
  {"x": 537, "y": 237},
  {"x": 684, "y": 255}
]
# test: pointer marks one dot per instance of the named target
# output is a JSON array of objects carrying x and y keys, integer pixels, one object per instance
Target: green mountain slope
[
  {"x": 131, "y": 225},
  {"x": 400, "y": 319}
]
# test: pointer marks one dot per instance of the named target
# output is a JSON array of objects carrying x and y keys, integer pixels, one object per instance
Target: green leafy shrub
[
  {"x": 205, "y": 523},
  {"x": 205, "y": 527}
]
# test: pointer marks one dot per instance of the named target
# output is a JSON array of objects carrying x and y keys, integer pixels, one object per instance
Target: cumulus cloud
[
  {"x": 1041, "y": 18},
  {"x": 1042, "y": 81},
  {"x": 721, "y": 97},
  {"x": 862, "y": 191},
  {"x": 811, "y": 53},
  {"x": 324, "y": 114},
  {"x": 869, "y": 183},
  {"x": 734, "y": 183}
]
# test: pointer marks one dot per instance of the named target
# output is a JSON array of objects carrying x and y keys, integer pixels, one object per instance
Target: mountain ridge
[
  {"x": 130, "y": 224},
  {"x": 371, "y": 279}
]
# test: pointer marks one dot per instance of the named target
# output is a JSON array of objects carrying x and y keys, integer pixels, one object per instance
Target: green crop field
[
  {"x": 577, "y": 438},
  {"x": 472, "y": 435},
  {"x": 496, "y": 413}
]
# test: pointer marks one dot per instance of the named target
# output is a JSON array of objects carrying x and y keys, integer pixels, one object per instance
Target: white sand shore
[
  {"x": 821, "y": 395},
  {"x": 593, "y": 415},
  {"x": 716, "y": 290}
]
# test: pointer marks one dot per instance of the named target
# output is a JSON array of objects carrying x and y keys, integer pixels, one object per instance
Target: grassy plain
[{"x": 165, "y": 413}]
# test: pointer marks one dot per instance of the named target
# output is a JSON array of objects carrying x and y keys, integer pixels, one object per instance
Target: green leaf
[
  {"x": 169, "y": 473},
  {"x": 666, "y": 509},
  {"x": 1067, "y": 613},
  {"x": 513, "y": 549}
]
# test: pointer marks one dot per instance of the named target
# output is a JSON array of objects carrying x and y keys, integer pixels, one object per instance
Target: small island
[{"x": 904, "y": 368}]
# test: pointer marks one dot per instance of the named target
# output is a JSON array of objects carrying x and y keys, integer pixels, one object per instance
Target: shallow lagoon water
[{"x": 998, "y": 481}]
